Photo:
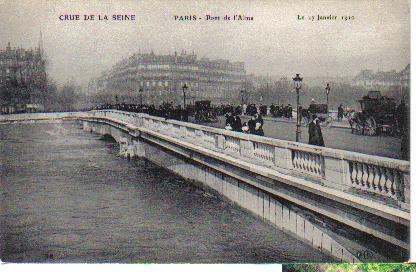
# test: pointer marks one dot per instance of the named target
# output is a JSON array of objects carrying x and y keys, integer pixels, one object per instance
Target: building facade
[
  {"x": 161, "y": 78},
  {"x": 380, "y": 79},
  {"x": 23, "y": 79}
]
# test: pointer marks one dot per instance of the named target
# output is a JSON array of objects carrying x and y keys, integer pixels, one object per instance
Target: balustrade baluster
[
  {"x": 364, "y": 178},
  {"x": 296, "y": 162},
  {"x": 319, "y": 165},
  {"x": 296, "y": 159},
  {"x": 309, "y": 160},
  {"x": 315, "y": 165},
  {"x": 312, "y": 164},
  {"x": 301, "y": 160},
  {"x": 389, "y": 181},
  {"x": 304, "y": 161},
  {"x": 396, "y": 186},
  {"x": 383, "y": 180},
  {"x": 354, "y": 172},
  {"x": 359, "y": 174},
  {"x": 377, "y": 179},
  {"x": 371, "y": 177}
]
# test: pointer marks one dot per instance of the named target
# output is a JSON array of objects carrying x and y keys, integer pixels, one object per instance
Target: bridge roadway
[
  {"x": 352, "y": 206},
  {"x": 337, "y": 136}
]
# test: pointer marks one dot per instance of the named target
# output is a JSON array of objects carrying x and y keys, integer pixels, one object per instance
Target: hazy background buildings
[{"x": 161, "y": 77}]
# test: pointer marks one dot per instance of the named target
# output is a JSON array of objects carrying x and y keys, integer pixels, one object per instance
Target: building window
[
  {"x": 154, "y": 83},
  {"x": 166, "y": 83},
  {"x": 160, "y": 83},
  {"x": 147, "y": 83}
]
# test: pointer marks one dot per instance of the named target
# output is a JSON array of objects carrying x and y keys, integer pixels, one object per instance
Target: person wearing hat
[
  {"x": 237, "y": 126},
  {"x": 340, "y": 114},
  {"x": 229, "y": 120},
  {"x": 252, "y": 125},
  {"x": 315, "y": 133},
  {"x": 258, "y": 130}
]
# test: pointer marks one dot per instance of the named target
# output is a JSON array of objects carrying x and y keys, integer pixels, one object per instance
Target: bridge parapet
[
  {"x": 383, "y": 179},
  {"x": 41, "y": 116}
]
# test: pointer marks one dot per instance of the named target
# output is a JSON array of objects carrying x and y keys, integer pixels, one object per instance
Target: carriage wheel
[{"x": 370, "y": 126}]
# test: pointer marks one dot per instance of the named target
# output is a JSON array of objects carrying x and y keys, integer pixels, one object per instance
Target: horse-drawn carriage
[
  {"x": 204, "y": 112},
  {"x": 320, "y": 110},
  {"x": 377, "y": 115}
]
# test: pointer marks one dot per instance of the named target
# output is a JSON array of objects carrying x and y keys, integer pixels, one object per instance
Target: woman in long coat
[{"x": 315, "y": 133}]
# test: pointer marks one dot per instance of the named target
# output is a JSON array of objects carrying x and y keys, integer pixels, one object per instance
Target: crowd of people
[
  {"x": 273, "y": 110},
  {"x": 166, "y": 110},
  {"x": 281, "y": 111},
  {"x": 253, "y": 126}
]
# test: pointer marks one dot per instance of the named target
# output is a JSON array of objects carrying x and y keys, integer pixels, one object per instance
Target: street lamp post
[
  {"x": 297, "y": 82},
  {"x": 327, "y": 90},
  {"x": 242, "y": 97},
  {"x": 185, "y": 114},
  {"x": 184, "y": 87},
  {"x": 141, "y": 96}
]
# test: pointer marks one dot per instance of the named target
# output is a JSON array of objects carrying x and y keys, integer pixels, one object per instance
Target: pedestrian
[
  {"x": 315, "y": 133},
  {"x": 252, "y": 125},
  {"x": 340, "y": 112},
  {"x": 229, "y": 120},
  {"x": 259, "y": 119},
  {"x": 272, "y": 110},
  {"x": 405, "y": 144},
  {"x": 259, "y": 129},
  {"x": 237, "y": 123},
  {"x": 289, "y": 111},
  {"x": 259, "y": 125},
  {"x": 401, "y": 115}
]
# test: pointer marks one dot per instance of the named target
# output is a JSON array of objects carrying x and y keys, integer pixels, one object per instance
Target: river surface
[{"x": 67, "y": 197}]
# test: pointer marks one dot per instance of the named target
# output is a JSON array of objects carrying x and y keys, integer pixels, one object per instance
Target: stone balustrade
[
  {"x": 42, "y": 116},
  {"x": 384, "y": 179}
]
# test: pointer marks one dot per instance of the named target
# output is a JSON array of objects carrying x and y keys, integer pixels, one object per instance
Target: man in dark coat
[
  {"x": 252, "y": 125},
  {"x": 340, "y": 114},
  {"x": 229, "y": 119},
  {"x": 237, "y": 126},
  {"x": 315, "y": 133},
  {"x": 401, "y": 116}
]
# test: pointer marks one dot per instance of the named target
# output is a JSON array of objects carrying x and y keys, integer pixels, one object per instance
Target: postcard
[{"x": 204, "y": 131}]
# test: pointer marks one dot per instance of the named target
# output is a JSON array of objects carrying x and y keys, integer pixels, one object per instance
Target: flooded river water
[{"x": 67, "y": 197}]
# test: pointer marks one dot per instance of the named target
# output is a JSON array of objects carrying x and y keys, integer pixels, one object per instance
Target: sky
[{"x": 274, "y": 43}]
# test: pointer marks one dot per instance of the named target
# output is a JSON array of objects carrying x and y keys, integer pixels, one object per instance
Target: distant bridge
[{"x": 352, "y": 206}]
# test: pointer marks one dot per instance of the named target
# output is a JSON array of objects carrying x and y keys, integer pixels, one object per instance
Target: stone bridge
[{"x": 352, "y": 206}]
